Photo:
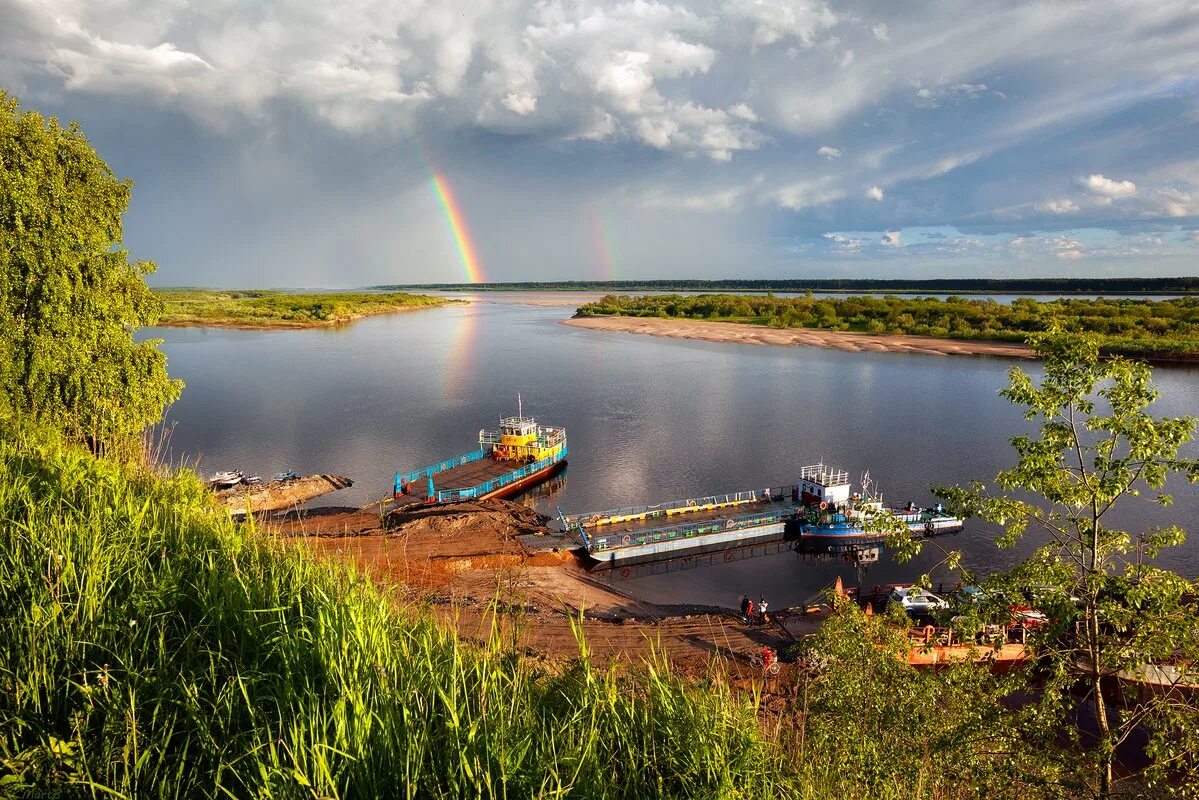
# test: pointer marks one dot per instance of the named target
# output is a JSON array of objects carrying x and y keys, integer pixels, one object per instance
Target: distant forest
[{"x": 935, "y": 286}]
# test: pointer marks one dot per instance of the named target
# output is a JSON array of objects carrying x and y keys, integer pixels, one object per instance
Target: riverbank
[
  {"x": 468, "y": 559},
  {"x": 266, "y": 310},
  {"x": 741, "y": 333}
]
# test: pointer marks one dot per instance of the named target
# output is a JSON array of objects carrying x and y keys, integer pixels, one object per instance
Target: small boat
[
  {"x": 283, "y": 477},
  {"x": 253, "y": 480},
  {"x": 226, "y": 479},
  {"x": 833, "y": 514}
]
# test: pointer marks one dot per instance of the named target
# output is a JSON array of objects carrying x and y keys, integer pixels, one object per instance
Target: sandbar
[{"x": 741, "y": 333}]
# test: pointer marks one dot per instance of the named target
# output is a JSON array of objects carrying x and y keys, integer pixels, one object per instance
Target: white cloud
[
  {"x": 782, "y": 20},
  {"x": 891, "y": 239},
  {"x": 1100, "y": 186},
  {"x": 806, "y": 194},
  {"x": 880, "y": 31},
  {"x": 1060, "y": 206},
  {"x": 876, "y": 193},
  {"x": 743, "y": 111},
  {"x": 844, "y": 245},
  {"x": 829, "y": 152},
  {"x": 1167, "y": 201}
]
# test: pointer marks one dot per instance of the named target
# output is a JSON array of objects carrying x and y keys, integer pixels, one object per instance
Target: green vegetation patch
[
  {"x": 268, "y": 309},
  {"x": 151, "y": 647},
  {"x": 1163, "y": 328}
]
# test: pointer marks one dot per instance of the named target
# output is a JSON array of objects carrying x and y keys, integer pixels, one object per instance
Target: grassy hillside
[
  {"x": 1137, "y": 327},
  {"x": 263, "y": 309},
  {"x": 151, "y": 647}
]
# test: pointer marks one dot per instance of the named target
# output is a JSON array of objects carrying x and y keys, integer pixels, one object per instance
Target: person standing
[
  {"x": 762, "y": 610},
  {"x": 745, "y": 603},
  {"x": 749, "y": 610}
]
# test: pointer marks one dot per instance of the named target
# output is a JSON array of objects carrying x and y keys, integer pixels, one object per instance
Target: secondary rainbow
[
  {"x": 601, "y": 244},
  {"x": 457, "y": 222}
]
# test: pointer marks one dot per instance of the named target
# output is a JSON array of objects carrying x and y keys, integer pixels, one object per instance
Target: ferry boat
[
  {"x": 519, "y": 454},
  {"x": 832, "y": 514},
  {"x": 818, "y": 510}
]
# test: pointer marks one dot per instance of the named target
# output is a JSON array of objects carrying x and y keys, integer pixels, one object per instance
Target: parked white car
[{"x": 917, "y": 601}]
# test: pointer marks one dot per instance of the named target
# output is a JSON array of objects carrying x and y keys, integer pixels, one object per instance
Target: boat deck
[
  {"x": 463, "y": 476},
  {"x": 643, "y": 524}
]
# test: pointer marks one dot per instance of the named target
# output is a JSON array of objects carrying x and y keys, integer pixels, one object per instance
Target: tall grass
[{"x": 149, "y": 646}]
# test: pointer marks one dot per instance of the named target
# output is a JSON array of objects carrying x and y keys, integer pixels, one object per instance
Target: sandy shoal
[{"x": 740, "y": 333}]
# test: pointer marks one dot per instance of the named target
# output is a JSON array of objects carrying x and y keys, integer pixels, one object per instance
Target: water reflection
[{"x": 649, "y": 419}]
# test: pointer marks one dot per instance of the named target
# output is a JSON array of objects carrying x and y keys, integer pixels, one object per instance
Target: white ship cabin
[{"x": 823, "y": 485}]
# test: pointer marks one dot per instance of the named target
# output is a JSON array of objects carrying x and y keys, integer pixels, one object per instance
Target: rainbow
[
  {"x": 601, "y": 245},
  {"x": 457, "y": 222}
]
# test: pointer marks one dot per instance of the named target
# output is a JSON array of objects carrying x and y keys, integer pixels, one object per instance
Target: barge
[
  {"x": 520, "y": 454},
  {"x": 663, "y": 530},
  {"x": 818, "y": 510}
]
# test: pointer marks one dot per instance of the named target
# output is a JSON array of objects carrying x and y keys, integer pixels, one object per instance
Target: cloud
[
  {"x": 774, "y": 21},
  {"x": 674, "y": 107},
  {"x": 1061, "y": 206},
  {"x": 806, "y": 194},
  {"x": 1106, "y": 187},
  {"x": 891, "y": 239}
]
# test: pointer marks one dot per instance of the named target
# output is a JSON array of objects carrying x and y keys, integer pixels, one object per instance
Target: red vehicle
[{"x": 1027, "y": 617}]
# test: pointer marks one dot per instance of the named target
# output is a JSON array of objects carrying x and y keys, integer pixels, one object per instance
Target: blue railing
[
  {"x": 409, "y": 477},
  {"x": 508, "y": 478}
]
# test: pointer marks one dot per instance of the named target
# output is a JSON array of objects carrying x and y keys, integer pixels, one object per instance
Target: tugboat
[
  {"x": 832, "y": 514},
  {"x": 519, "y": 454}
]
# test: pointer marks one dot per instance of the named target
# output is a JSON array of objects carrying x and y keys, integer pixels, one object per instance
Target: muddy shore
[
  {"x": 739, "y": 333},
  {"x": 468, "y": 559}
]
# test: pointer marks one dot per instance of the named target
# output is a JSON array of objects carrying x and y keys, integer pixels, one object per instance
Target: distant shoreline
[
  {"x": 1064, "y": 287},
  {"x": 741, "y": 333}
]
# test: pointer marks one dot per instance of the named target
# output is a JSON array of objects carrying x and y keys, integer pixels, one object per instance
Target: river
[{"x": 649, "y": 419}]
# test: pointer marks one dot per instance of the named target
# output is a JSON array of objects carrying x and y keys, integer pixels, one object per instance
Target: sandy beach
[{"x": 737, "y": 333}]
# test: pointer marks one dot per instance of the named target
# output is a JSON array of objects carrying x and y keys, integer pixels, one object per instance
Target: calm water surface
[{"x": 649, "y": 419}]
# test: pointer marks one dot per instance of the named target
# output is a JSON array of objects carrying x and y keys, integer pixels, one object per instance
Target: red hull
[{"x": 525, "y": 482}]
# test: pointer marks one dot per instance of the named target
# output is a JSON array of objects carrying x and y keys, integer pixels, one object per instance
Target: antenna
[{"x": 519, "y": 410}]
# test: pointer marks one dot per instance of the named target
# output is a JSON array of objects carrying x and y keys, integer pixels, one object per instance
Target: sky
[{"x": 341, "y": 144}]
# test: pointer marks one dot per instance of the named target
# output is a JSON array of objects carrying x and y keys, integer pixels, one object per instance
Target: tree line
[
  {"x": 1122, "y": 325},
  {"x": 1105, "y": 286}
]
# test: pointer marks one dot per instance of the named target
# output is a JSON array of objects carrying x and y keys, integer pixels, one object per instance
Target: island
[{"x": 274, "y": 309}]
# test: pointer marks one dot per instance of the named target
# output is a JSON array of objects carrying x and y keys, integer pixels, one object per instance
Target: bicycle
[{"x": 755, "y": 660}]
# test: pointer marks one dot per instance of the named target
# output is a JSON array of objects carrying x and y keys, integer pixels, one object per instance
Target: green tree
[
  {"x": 70, "y": 299},
  {"x": 1115, "y": 615},
  {"x": 874, "y": 726}
]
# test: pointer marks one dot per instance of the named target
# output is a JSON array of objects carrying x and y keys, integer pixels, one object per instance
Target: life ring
[
  {"x": 728, "y": 556},
  {"x": 691, "y": 503},
  {"x": 626, "y": 539},
  {"x": 929, "y": 632},
  {"x": 823, "y": 505},
  {"x": 624, "y": 572},
  {"x": 876, "y": 591}
]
